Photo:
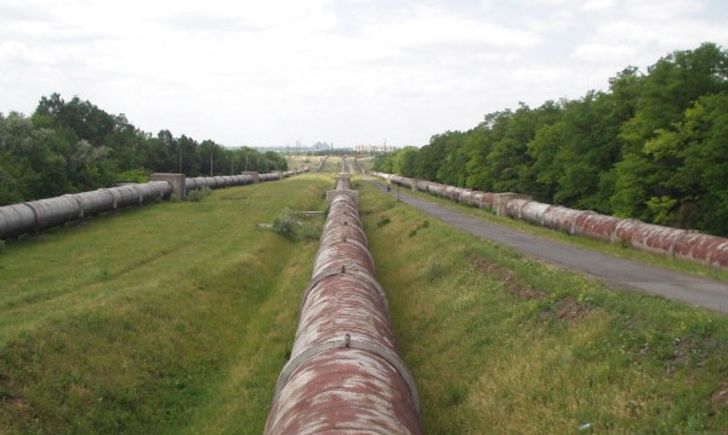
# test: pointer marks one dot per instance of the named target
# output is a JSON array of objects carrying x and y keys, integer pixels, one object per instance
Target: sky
[{"x": 277, "y": 72}]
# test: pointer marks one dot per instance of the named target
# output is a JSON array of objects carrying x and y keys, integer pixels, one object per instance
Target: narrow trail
[{"x": 617, "y": 272}]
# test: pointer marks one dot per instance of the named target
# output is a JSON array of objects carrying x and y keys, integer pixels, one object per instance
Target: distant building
[{"x": 375, "y": 148}]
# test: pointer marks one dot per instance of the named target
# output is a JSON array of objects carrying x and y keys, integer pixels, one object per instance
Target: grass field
[
  {"x": 171, "y": 318},
  {"x": 332, "y": 165},
  {"x": 299, "y": 161},
  {"x": 177, "y": 318},
  {"x": 367, "y": 163},
  {"x": 502, "y": 344},
  {"x": 595, "y": 245}
]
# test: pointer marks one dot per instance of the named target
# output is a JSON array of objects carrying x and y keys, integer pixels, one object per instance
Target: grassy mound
[
  {"x": 174, "y": 317},
  {"x": 502, "y": 344}
]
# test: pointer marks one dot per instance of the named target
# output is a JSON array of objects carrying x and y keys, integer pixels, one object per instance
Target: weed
[
  {"x": 285, "y": 226},
  {"x": 289, "y": 226},
  {"x": 311, "y": 230},
  {"x": 436, "y": 271},
  {"x": 198, "y": 194},
  {"x": 2, "y": 246},
  {"x": 103, "y": 273},
  {"x": 424, "y": 224},
  {"x": 383, "y": 221},
  {"x": 455, "y": 394}
]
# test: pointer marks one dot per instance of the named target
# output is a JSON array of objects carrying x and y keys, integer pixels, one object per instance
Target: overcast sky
[{"x": 349, "y": 71}]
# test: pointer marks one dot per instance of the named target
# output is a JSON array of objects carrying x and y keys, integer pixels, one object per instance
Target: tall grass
[
  {"x": 170, "y": 318},
  {"x": 501, "y": 344}
]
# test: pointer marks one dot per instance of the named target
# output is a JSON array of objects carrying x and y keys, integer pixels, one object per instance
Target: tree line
[
  {"x": 73, "y": 146},
  {"x": 654, "y": 146}
]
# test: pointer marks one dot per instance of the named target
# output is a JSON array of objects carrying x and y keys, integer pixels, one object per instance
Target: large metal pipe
[
  {"x": 34, "y": 216},
  {"x": 235, "y": 180},
  {"x": 685, "y": 244},
  {"x": 344, "y": 375}
]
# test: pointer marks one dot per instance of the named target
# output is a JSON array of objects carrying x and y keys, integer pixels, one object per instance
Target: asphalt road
[{"x": 617, "y": 272}]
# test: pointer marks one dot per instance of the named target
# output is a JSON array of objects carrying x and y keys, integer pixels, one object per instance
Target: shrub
[
  {"x": 197, "y": 194},
  {"x": 383, "y": 221},
  {"x": 311, "y": 231},
  {"x": 135, "y": 175},
  {"x": 285, "y": 225},
  {"x": 435, "y": 271}
]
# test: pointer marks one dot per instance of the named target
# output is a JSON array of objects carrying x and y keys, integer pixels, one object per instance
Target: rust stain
[
  {"x": 344, "y": 375},
  {"x": 685, "y": 244}
]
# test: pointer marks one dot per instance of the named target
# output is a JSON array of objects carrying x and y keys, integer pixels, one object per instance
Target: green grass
[
  {"x": 299, "y": 161},
  {"x": 502, "y": 344},
  {"x": 367, "y": 163},
  {"x": 676, "y": 264},
  {"x": 171, "y": 318},
  {"x": 332, "y": 165}
]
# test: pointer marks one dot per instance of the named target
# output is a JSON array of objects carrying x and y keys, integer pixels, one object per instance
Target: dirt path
[{"x": 618, "y": 272}]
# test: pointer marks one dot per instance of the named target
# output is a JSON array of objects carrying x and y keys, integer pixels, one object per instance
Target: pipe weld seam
[
  {"x": 386, "y": 354},
  {"x": 36, "y": 217},
  {"x": 359, "y": 244},
  {"x": 366, "y": 277}
]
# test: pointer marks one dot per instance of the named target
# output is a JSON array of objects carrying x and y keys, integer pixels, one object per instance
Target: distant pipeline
[
  {"x": 674, "y": 242},
  {"x": 35, "y": 216}
]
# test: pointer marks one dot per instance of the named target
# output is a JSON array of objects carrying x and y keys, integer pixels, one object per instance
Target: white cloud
[
  {"x": 610, "y": 53},
  {"x": 597, "y": 5},
  {"x": 274, "y": 72}
]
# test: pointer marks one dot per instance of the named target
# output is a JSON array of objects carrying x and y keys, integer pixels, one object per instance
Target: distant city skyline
[{"x": 351, "y": 71}]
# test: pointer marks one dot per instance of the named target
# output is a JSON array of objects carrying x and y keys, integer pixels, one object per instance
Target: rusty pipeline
[
  {"x": 685, "y": 244},
  {"x": 344, "y": 374}
]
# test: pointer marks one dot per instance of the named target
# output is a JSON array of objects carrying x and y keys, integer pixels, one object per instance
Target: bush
[
  {"x": 197, "y": 194},
  {"x": 311, "y": 231},
  {"x": 435, "y": 271},
  {"x": 383, "y": 221},
  {"x": 285, "y": 225},
  {"x": 135, "y": 175}
]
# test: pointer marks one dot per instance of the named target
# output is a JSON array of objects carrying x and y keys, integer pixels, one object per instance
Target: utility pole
[
  {"x": 180, "y": 159},
  {"x": 211, "y": 172}
]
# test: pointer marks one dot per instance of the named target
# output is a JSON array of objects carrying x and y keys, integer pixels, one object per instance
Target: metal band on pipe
[
  {"x": 79, "y": 203},
  {"x": 347, "y": 343},
  {"x": 349, "y": 271},
  {"x": 352, "y": 241},
  {"x": 36, "y": 217}
]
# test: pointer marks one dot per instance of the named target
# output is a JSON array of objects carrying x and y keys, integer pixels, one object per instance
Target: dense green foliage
[
  {"x": 75, "y": 146},
  {"x": 654, "y": 146}
]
